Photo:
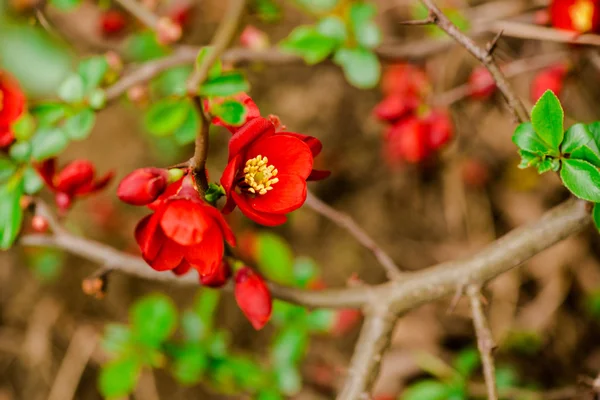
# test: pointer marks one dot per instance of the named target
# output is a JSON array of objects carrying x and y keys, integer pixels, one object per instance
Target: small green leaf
[
  {"x": 24, "y": 127},
  {"x": 365, "y": 30},
  {"x": 117, "y": 339},
  {"x": 32, "y": 181},
  {"x": 232, "y": 112},
  {"x": 506, "y": 377},
  {"x": 318, "y": 6},
  {"x": 192, "y": 326},
  {"x": 79, "y": 126},
  {"x": 11, "y": 214},
  {"x": 228, "y": 84},
  {"x": 579, "y": 143},
  {"x": 309, "y": 44},
  {"x": 289, "y": 380},
  {"x": 7, "y": 169},
  {"x": 320, "y": 320},
  {"x": 188, "y": 130},
  {"x": 72, "y": 89},
  {"x": 275, "y": 258},
  {"x": 269, "y": 394},
  {"x": 289, "y": 346},
  {"x": 268, "y": 10},
  {"x": 596, "y": 215},
  {"x": 47, "y": 143},
  {"x": 214, "y": 192},
  {"x": 190, "y": 365},
  {"x": 466, "y": 362},
  {"x": 582, "y": 179},
  {"x": 361, "y": 67},
  {"x": 333, "y": 27},
  {"x": 547, "y": 119},
  {"x": 97, "y": 99},
  {"x": 166, "y": 115},
  {"x": 205, "y": 305},
  {"x": 305, "y": 271},
  {"x": 92, "y": 71},
  {"x": 216, "y": 69},
  {"x": 172, "y": 82},
  {"x": 426, "y": 390},
  {"x": 49, "y": 113},
  {"x": 65, "y": 5},
  {"x": 154, "y": 318},
  {"x": 20, "y": 151},
  {"x": 526, "y": 138},
  {"x": 118, "y": 378},
  {"x": 143, "y": 46},
  {"x": 529, "y": 159},
  {"x": 548, "y": 164}
]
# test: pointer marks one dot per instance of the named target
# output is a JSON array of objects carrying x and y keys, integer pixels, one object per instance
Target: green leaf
[
  {"x": 11, "y": 214},
  {"x": 97, "y": 99},
  {"x": 267, "y": 10},
  {"x": 333, "y": 27},
  {"x": 548, "y": 164},
  {"x": 529, "y": 159},
  {"x": 365, "y": 30},
  {"x": 596, "y": 216},
  {"x": 426, "y": 390},
  {"x": 144, "y": 47},
  {"x": 232, "y": 112},
  {"x": 275, "y": 258},
  {"x": 289, "y": 346},
  {"x": 172, "y": 82},
  {"x": 65, "y": 5},
  {"x": 288, "y": 379},
  {"x": 248, "y": 374},
  {"x": 318, "y": 6},
  {"x": 72, "y": 89},
  {"x": 320, "y": 320},
  {"x": 79, "y": 126},
  {"x": 47, "y": 143},
  {"x": 190, "y": 365},
  {"x": 92, "y": 71},
  {"x": 117, "y": 340},
  {"x": 214, "y": 192},
  {"x": 526, "y": 138},
  {"x": 269, "y": 394},
  {"x": 205, "y": 305},
  {"x": 192, "y": 326},
  {"x": 466, "y": 362},
  {"x": 118, "y": 378},
  {"x": 216, "y": 69},
  {"x": 305, "y": 271},
  {"x": 361, "y": 67},
  {"x": 20, "y": 151},
  {"x": 309, "y": 44},
  {"x": 228, "y": 84},
  {"x": 24, "y": 127},
  {"x": 47, "y": 264},
  {"x": 506, "y": 377},
  {"x": 154, "y": 318},
  {"x": 7, "y": 168},
  {"x": 579, "y": 143},
  {"x": 32, "y": 182},
  {"x": 582, "y": 179},
  {"x": 49, "y": 113},
  {"x": 547, "y": 119},
  {"x": 166, "y": 115},
  {"x": 188, "y": 130}
]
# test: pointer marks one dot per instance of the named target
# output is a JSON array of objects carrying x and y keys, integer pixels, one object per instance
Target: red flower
[
  {"x": 395, "y": 106},
  {"x": 12, "y": 104},
  {"x": 267, "y": 171},
  {"x": 551, "y": 78},
  {"x": 252, "y": 112},
  {"x": 219, "y": 278},
  {"x": 253, "y": 38},
  {"x": 481, "y": 83},
  {"x": 406, "y": 141},
  {"x": 183, "y": 232},
  {"x": 253, "y": 297},
  {"x": 575, "y": 15},
  {"x": 405, "y": 79},
  {"x": 76, "y": 179},
  {"x": 112, "y": 23},
  {"x": 440, "y": 128},
  {"x": 344, "y": 321},
  {"x": 143, "y": 186}
]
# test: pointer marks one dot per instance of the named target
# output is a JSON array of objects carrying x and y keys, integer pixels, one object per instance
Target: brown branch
[
  {"x": 222, "y": 39},
  {"x": 536, "y": 32},
  {"x": 198, "y": 162},
  {"x": 142, "y": 13},
  {"x": 487, "y": 59},
  {"x": 485, "y": 342},
  {"x": 346, "y": 222}
]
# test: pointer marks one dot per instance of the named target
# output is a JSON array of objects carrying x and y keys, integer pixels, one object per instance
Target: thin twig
[
  {"x": 222, "y": 39},
  {"x": 536, "y": 32},
  {"x": 142, "y": 13},
  {"x": 485, "y": 342},
  {"x": 514, "y": 104},
  {"x": 346, "y": 222},
  {"x": 198, "y": 162}
]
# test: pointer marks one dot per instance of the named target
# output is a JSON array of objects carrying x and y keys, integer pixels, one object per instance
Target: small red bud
[
  {"x": 548, "y": 79},
  {"x": 253, "y": 297},
  {"x": 218, "y": 278},
  {"x": 74, "y": 175},
  {"x": 143, "y": 186},
  {"x": 395, "y": 106},
  {"x": 167, "y": 31},
  {"x": 406, "y": 141},
  {"x": 481, "y": 83},
  {"x": 63, "y": 201},
  {"x": 441, "y": 129},
  {"x": 112, "y": 23},
  {"x": 345, "y": 320},
  {"x": 254, "y": 39},
  {"x": 114, "y": 61},
  {"x": 39, "y": 224}
]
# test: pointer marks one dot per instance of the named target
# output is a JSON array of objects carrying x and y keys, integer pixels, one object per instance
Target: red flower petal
[
  {"x": 149, "y": 236},
  {"x": 169, "y": 192},
  {"x": 6, "y": 136},
  {"x": 12, "y": 99},
  {"x": 73, "y": 175},
  {"x": 231, "y": 170},
  {"x": 223, "y": 225},
  {"x": 207, "y": 255},
  {"x": 288, "y": 154},
  {"x": 185, "y": 222},
  {"x": 253, "y": 297},
  {"x": 313, "y": 143},
  {"x": 218, "y": 278},
  {"x": 182, "y": 269},
  {"x": 169, "y": 256},
  {"x": 256, "y": 216},
  {"x": 254, "y": 129},
  {"x": 46, "y": 170},
  {"x": 287, "y": 195},
  {"x": 95, "y": 186},
  {"x": 317, "y": 175}
]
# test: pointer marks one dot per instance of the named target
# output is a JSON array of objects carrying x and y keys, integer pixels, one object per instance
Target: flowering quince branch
[
  {"x": 198, "y": 161},
  {"x": 346, "y": 222},
  {"x": 485, "y": 342}
]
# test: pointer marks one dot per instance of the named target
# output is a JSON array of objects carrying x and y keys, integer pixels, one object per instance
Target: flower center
[
  {"x": 582, "y": 13},
  {"x": 259, "y": 176}
]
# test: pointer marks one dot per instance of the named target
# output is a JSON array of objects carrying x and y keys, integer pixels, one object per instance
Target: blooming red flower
[
  {"x": 575, "y": 15},
  {"x": 404, "y": 79},
  {"x": 440, "y": 128},
  {"x": 395, "y": 106},
  {"x": 549, "y": 79},
  {"x": 183, "y": 232},
  {"x": 12, "y": 104},
  {"x": 406, "y": 141},
  {"x": 481, "y": 83},
  {"x": 267, "y": 171},
  {"x": 143, "y": 186},
  {"x": 253, "y": 297},
  {"x": 78, "y": 178}
]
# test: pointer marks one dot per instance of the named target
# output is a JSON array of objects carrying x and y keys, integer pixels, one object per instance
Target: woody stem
[{"x": 198, "y": 162}]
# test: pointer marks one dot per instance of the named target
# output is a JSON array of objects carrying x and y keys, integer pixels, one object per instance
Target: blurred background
[{"x": 545, "y": 316}]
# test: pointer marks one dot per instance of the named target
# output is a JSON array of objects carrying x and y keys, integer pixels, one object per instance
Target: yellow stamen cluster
[
  {"x": 582, "y": 13},
  {"x": 259, "y": 176}
]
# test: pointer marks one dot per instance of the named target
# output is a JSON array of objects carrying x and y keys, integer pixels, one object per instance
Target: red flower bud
[
  {"x": 253, "y": 38},
  {"x": 441, "y": 129},
  {"x": 404, "y": 79},
  {"x": 217, "y": 278},
  {"x": 253, "y": 297},
  {"x": 395, "y": 106},
  {"x": 112, "y": 23},
  {"x": 345, "y": 320},
  {"x": 143, "y": 186},
  {"x": 481, "y": 83},
  {"x": 548, "y": 79},
  {"x": 407, "y": 141},
  {"x": 39, "y": 224},
  {"x": 74, "y": 175}
]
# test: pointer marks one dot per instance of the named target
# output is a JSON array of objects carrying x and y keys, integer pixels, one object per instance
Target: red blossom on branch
[
  {"x": 76, "y": 179},
  {"x": 267, "y": 171},
  {"x": 112, "y": 23},
  {"x": 143, "y": 186},
  {"x": 184, "y": 232},
  {"x": 481, "y": 83},
  {"x": 12, "y": 104},
  {"x": 579, "y": 16},
  {"x": 253, "y": 297},
  {"x": 549, "y": 79}
]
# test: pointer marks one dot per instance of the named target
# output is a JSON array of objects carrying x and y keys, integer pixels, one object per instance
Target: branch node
[{"x": 491, "y": 46}]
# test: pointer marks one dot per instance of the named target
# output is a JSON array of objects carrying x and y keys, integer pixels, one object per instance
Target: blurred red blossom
[
  {"x": 112, "y": 23},
  {"x": 481, "y": 83},
  {"x": 551, "y": 78},
  {"x": 253, "y": 297},
  {"x": 12, "y": 105},
  {"x": 253, "y": 38},
  {"x": 579, "y": 16}
]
